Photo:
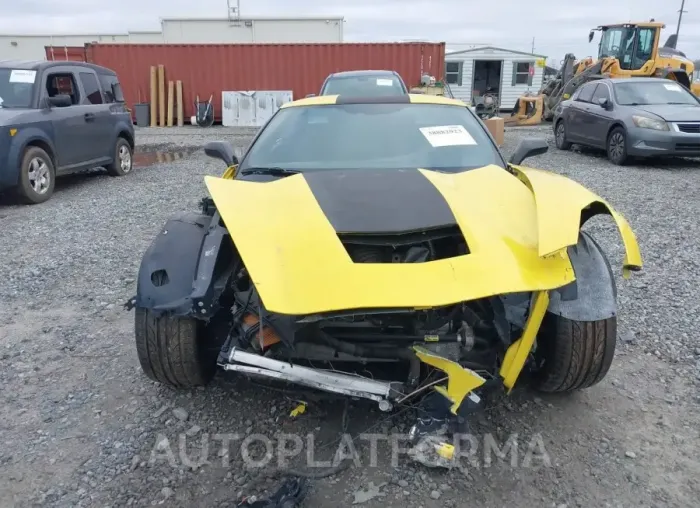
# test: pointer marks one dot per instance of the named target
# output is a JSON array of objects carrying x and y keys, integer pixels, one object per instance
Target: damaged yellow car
[{"x": 383, "y": 231}]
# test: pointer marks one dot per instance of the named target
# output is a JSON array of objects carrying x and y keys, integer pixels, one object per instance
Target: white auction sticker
[
  {"x": 22, "y": 76},
  {"x": 673, "y": 87},
  {"x": 384, "y": 82},
  {"x": 447, "y": 135}
]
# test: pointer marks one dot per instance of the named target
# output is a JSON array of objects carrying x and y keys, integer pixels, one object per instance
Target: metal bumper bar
[{"x": 383, "y": 392}]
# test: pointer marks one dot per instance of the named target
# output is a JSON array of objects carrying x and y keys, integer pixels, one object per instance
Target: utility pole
[
  {"x": 680, "y": 17},
  {"x": 533, "y": 44}
]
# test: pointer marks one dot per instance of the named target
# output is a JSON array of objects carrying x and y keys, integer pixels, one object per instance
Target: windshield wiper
[{"x": 275, "y": 171}]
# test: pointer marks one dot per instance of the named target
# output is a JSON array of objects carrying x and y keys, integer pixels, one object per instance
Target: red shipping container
[
  {"x": 207, "y": 69},
  {"x": 72, "y": 53}
]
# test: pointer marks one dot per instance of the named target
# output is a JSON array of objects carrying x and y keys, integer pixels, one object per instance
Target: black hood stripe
[{"x": 379, "y": 201}]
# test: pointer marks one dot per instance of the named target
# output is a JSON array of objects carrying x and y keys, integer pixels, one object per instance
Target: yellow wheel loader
[{"x": 625, "y": 50}]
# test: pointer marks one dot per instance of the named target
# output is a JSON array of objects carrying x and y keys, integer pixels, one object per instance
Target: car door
[
  {"x": 600, "y": 115},
  {"x": 581, "y": 132},
  {"x": 72, "y": 133},
  {"x": 97, "y": 114},
  {"x": 575, "y": 127}
]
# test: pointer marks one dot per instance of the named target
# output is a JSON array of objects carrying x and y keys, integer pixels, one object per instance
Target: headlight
[{"x": 644, "y": 122}]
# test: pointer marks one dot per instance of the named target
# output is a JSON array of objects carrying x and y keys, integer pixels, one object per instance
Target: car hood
[
  {"x": 517, "y": 230},
  {"x": 673, "y": 112},
  {"x": 9, "y": 116}
]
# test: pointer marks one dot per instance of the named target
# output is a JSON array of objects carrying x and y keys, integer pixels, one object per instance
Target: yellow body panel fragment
[
  {"x": 299, "y": 265},
  {"x": 560, "y": 201},
  {"x": 230, "y": 172},
  {"x": 517, "y": 353},
  {"x": 460, "y": 380}
]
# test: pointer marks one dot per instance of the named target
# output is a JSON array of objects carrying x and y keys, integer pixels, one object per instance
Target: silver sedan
[{"x": 631, "y": 117}]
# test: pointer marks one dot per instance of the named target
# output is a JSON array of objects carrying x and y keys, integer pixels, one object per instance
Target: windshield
[
  {"x": 654, "y": 92},
  {"x": 16, "y": 88},
  {"x": 617, "y": 42},
  {"x": 376, "y": 85},
  {"x": 373, "y": 136}
]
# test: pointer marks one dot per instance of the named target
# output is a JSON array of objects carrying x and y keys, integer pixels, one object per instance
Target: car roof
[
  {"x": 635, "y": 80},
  {"x": 349, "y": 74},
  {"x": 40, "y": 65},
  {"x": 329, "y": 100}
]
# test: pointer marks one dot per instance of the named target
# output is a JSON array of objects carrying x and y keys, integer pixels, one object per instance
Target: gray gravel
[{"x": 79, "y": 422}]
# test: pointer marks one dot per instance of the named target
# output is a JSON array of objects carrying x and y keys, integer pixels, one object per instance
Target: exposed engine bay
[{"x": 473, "y": 334}]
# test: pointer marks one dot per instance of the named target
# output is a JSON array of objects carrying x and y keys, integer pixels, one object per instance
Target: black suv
[{"x": 58, "y": 118}]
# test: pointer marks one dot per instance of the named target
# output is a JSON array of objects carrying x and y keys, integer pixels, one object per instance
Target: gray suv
[{"x": 58, "y": 118}]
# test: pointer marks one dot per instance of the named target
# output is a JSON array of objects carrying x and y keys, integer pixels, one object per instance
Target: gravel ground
[{"x": 80, "y": 425}]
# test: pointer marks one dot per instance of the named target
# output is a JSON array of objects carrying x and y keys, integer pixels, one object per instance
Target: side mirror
[
  {"x": 528, "y": 148},
  {"x": 310, "y": 95},
  {"x": 604, "y": 102},
  {"x": 591, "y": 35},
  {"x": 221, "y": 150},
  {"x": 59, "y": 101}
]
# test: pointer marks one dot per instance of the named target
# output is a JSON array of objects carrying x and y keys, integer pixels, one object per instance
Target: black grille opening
[
  {"x": 690, "y": 128},
  {"x": 407, "y": 247},
  {"x": 694, "y": 147}
]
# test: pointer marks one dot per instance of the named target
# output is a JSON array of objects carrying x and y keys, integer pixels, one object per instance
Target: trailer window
[{"x": 523, "y": 72}]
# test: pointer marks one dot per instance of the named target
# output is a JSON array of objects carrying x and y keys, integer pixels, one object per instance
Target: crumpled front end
[{"x": 454, "y": 276}]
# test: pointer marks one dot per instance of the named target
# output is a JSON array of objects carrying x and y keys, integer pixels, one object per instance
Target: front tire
[
  {"x": 123, "y": 159},
  {"x": 560, "y": 136},
  {"x": 37, "y": 176},
  {"x": 576, "y": 354},
  {"x": 617, "y": 146},
  {"x": 172, "y": 351}
]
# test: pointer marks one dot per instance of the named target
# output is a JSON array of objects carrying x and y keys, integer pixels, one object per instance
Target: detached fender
[
  {"x": 186, "y": 267},
  {"x": 563, "y": 206}
]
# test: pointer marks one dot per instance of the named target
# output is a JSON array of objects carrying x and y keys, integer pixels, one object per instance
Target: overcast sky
[{"x": 558, "y": 28}]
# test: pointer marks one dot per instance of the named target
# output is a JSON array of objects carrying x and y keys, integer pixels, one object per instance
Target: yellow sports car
[{"x": 383, "y": 232}]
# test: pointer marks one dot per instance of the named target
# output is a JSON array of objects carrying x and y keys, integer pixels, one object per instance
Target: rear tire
[
  {"x": 37, "y": 176},
  {"x": 576, "y": 354},
  {"x": 172, "y": 351},
  {"x": 617, "y": 146},
  {"x": 560, "y": 136},
  {"x": 123, "y": 159}
]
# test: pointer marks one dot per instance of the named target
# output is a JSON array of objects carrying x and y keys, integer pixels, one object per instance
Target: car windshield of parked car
[
  {"x": 376, "y": 85},
  {"x": 639, "y": 93},
  {"x": 373, "y": 136},
  {"x": 16, "y": 87}
]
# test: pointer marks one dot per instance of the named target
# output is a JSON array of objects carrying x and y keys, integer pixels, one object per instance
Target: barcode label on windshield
[
  {"x": 447, "y": 135},
  {"x": 22, "y": 76},
  {"x": 384, "y": 82}
]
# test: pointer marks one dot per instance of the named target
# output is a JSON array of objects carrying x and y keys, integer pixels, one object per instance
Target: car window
[
  {"x": 112, "y": 88},
  {"x": 639, "y": 93},
  {"x": 601, "y": 92},
  {"x": 586, "y": 93},
  {"x": 373, "y": 136},
  {"x": 382, "y": 85},
  {"x": 92, "y": 88},
  {"x": 62, "y": 83},
  {"x": 16, "y": 88}
]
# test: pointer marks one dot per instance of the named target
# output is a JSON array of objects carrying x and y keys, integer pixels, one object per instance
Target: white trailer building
[
  {"x": 187, "y": 31},
  {"x": 487, "y": 69}
]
